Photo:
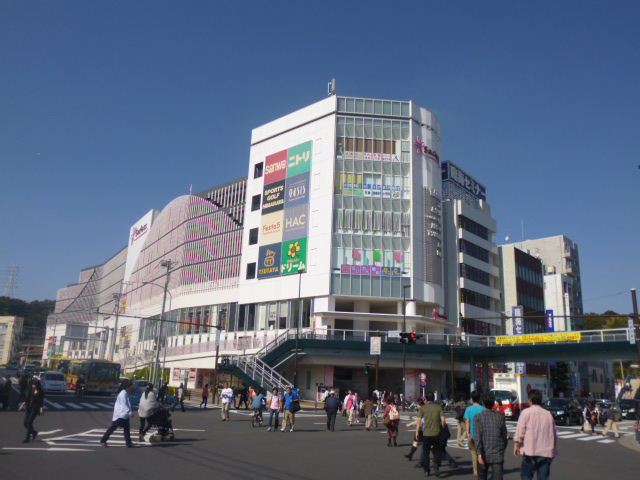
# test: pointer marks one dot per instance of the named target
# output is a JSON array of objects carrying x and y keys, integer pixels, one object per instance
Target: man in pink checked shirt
[{"x": 535, "y": 439}]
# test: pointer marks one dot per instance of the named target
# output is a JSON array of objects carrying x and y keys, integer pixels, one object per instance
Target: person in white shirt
[
  {"x": 227, "y": 398},
  {"x": 121, "y": 414}
]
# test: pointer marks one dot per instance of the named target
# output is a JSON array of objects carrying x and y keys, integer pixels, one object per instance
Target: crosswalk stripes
[
  {"x": 74, "y": 405},
  {"x": 89, "y": 405},
  {"x": 105, "y": 405},
  {"x": 53, "y": 404}
]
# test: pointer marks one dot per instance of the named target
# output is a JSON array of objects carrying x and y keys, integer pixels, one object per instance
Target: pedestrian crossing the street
[{"x": 564, "y": 433}]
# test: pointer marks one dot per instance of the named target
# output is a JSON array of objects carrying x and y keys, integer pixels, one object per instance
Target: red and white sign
[{"x": 275, "y": 168}]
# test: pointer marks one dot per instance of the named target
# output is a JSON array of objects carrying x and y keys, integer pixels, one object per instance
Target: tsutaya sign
[{"x": 285, "y": 212}]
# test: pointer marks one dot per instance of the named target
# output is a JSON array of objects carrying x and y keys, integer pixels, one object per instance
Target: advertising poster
[
  {"x": 273, "y": 197},
  {"x": 294, "y": 256},
  {"x": 299, "y": 159},
  {"x": 297, "y": 190},
  {"x": 295, "y": 222},
  {"x": 272, "y": 228},
  {"x": 550, "y": 323},
  {"x": 275, "y": 168},
  {"x": 269, "y": 261}
]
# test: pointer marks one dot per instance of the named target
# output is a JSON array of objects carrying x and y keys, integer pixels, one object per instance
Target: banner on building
[
  {"x": 534, "y": 338},
  {"x": 375, "y": 345},
  {"x": 550, "y": 321}
]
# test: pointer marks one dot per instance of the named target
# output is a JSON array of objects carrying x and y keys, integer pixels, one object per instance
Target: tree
[
  {"x": 606, "y": 320},
  {"x": 35, "y": 317}
]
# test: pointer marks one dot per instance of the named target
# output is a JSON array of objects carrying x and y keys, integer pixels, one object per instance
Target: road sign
[
  {"x": 375, "y": 345},
  {"x": 393, "y": 334},
  {"x": 423, "y": 379}
]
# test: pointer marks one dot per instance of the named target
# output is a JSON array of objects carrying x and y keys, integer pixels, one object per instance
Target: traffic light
[
  {"x": 410, "y": 338},
  {"x": 366, "y": 370}
]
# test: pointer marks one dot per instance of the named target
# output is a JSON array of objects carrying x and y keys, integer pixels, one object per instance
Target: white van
[{"x": 53, "y": 382}]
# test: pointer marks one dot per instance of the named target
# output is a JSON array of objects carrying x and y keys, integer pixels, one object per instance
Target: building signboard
[
  {"x": 275, "y": 168},
  {"x": 534, "y": 338},
  {"x": 297, "y": 190},
  {"x": 299, "y": 159},
  {"x": 272, "y": 228},
  {"x": 375, "y": 345},
  {"x": 294, "y": 256},
  {"x": 550, "y": 321},
  {"x": 452, "y": 173},
  {"x": 269, "y": 261},
  {"x": 295, "y": 222},
  {"x": 273, "y": 197},
  {"x": 285, "y": 212}
]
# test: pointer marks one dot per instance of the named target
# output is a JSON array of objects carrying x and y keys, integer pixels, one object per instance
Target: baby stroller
[{"x": 161, "y": 419}]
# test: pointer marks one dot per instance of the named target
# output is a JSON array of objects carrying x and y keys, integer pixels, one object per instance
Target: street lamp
[
  {"x": 116, "y": 297},
  {"x": 404, "y": 345},
  {"x": 298, "y": 322},
  {"x": 166, "y": 264}
]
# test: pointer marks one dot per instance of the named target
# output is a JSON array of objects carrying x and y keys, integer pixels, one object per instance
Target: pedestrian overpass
[{"x": 261, "y": 368}]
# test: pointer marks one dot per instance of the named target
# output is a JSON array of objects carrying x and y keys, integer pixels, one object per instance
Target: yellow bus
[{"x": 100, "y": 376}]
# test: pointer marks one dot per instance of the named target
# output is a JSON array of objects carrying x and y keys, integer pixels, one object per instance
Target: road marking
[
  {"x": 50, "y": 432},
  {"x": 607, "y": 441},
  {"x": 104, "y": 405},
  {"x": 574, "y": 435},
  {"x": 50, "y": 449},
  {"x": 54, "y": 404},
  {"x": 188, "y": 430},
  {"x": 74, "y": 405},
  {"x": 563, "y": 432},
  {"x": 88, "y": 405},
  {"x": 589, "y": 438}
]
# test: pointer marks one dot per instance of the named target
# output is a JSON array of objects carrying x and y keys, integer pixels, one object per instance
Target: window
[
  {"x": 475, "y": 298},
  {"x": 253, "y": 236},
  {"x": 251, "y": 270},
  {"x": 257, "y": 170},
  {"x": 255, "y": 202},
  {"x": 475, "y": 274},
  {"x": 474, "y": 250},
  {"x": 473, "y": 227}
]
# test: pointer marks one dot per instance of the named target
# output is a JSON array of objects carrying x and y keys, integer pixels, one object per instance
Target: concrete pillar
[
  {"x": 361, "y": 306},
  {"x": 411, "y": 307},
  {"x": 472, "y": 371},
  {"x": 485, "y": 377}
]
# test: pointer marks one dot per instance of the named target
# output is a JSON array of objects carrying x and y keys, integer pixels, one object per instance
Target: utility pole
[
  {"x": 221, "y": 314},
  {"x": 636, "y": 321},
  {"x": 166, "y": 264},
  {"x": 298, "y": 322},
  {"x": 453, "y": 378},
  {"x": 116, "y": 296},
  {"x": 404, "y": 345}
]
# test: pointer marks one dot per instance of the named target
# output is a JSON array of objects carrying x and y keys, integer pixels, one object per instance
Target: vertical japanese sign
[
  {"x": 550, "y": 321},
  {"x": 518, "y": 329},
  {"x": 285, "y": 212}
]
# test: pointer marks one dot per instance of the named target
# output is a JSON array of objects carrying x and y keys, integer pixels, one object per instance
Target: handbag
[{"x": 295, "y": 405}]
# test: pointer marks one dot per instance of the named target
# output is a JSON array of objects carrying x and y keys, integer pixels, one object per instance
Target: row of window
[
  {"x": 529, "y": 302},
  {"x": 528, "y": 275},
  {"x": 372, "y": 128},
  {"x": 368, "y": 221},
  {"x": 473, "y": 227},
  {"x": 374, "y": 107},
  {"x": 474, "y": 298},
  {"x": 475, "y": 274},
  {"x": 474, "y": 250}
]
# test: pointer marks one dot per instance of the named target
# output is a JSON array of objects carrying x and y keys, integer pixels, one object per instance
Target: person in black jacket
[
  {"x": 332, "y": 405},
  {"x": 34, "y": 406}
]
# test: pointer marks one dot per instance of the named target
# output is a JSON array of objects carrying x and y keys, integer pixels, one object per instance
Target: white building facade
[{"x": 336, "y": 232}]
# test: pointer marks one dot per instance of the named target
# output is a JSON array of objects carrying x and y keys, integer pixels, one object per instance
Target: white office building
[
  {"x": 336, "y": 234},
  {"x": 472, "y": 274}
]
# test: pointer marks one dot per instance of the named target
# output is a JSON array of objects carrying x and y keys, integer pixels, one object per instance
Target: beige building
[{"x": 10, "y": 335}]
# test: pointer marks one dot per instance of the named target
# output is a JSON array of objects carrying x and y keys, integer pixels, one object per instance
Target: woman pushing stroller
[{"x": 151, "y": 413}]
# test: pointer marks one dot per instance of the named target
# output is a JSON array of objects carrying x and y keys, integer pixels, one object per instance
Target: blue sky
[{"x": 108, "y": 109}]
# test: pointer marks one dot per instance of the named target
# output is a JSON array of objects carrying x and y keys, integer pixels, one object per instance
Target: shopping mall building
[{"x": 337, "y": 226}]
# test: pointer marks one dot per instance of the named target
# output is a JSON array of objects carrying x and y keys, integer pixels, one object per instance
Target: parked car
[
  {"x": 629, "y": 409},
  {"x": 53, "y": 382},
  {"x": 565, "y": 411}
]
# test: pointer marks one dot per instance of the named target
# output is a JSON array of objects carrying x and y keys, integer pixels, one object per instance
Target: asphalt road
[{"x": 68, "y": 447}]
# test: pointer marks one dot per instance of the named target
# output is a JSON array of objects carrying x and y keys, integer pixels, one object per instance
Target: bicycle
[{"x": 256, "y": 418}]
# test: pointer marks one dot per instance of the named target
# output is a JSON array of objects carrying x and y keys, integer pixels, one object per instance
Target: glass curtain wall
[{"x": 371, "y": 244}]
